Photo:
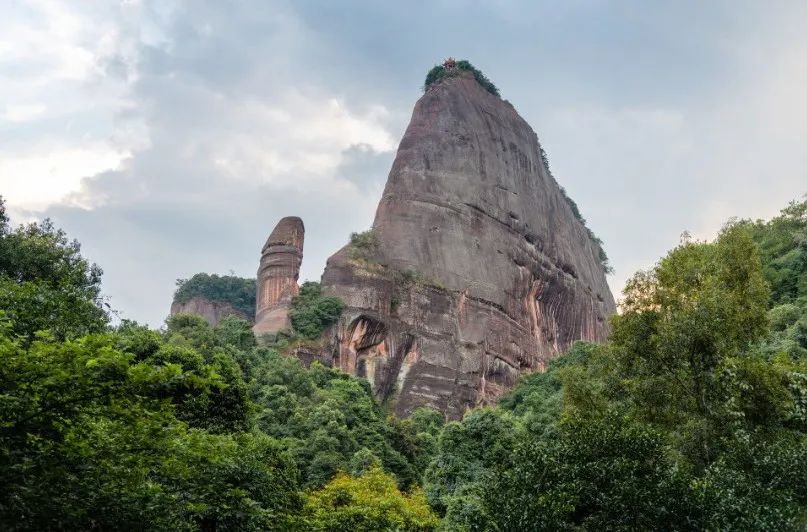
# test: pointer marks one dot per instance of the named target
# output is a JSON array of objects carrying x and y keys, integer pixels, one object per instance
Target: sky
[{"x": 169, "y": 137}]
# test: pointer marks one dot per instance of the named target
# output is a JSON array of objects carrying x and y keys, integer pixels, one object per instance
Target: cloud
[
  {"x": 364, "y": 166},
  {"x": 169, "y": 137},
  {"x": 204, "y": 149},
  {"x": 23, "y": 112},
  {"x": 47, "y": 175}
]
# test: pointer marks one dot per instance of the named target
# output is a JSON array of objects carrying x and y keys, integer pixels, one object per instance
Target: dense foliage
[
  {"x": 439, "y": 72},
  {"x": 131, "y": 427},
  {"x": 189, "y": 428},
  {"x": 312, "y": 312},
  {"x": 368, "y": 503},
  {"x": 45, "y": 283},
  {"x": 237, "y": 291},
  {"x": 325, "y": 417},
  {"x": 692, "y": 416}
]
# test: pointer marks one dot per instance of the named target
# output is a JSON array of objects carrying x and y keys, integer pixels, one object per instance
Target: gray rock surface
[
  {"x": 278, "y": 271},
  {"x": 212, "y": 311},
  {"x": 482, "y": 271}
]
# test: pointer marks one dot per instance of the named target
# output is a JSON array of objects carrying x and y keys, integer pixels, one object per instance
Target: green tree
[
  {"x": 45, "y": 283},
  {"x": 537, "y": 399},
  {"x": 370, "y": 502},
  {"x": 703, "y": 305},
  {"x": 782, "y": 245},
  {"x": 323, "y": 417},
  {"x": 89, "y": 439},
  {"x": 311, "y": 312},
  {"x": 235, "y": 332},
  {"x": 692, "y": 356},
  {"x": 439, "y": 72},
  {"x": 757, "y": 485},
  {"x": 213, "y": 394},
  {"x": 466, "y": 452},
  {"x": 593, "y": 475}
]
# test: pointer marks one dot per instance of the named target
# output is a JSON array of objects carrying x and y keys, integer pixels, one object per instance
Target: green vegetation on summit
[
  {"x": 237, "y": 291},
  {"x": 452, "y": 68}
]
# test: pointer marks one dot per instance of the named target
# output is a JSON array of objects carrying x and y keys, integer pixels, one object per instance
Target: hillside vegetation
[
  {"x": 693, "y": 415},
  {"x": 237, "y": 291}
]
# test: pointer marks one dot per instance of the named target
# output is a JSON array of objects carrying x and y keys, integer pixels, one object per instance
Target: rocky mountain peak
[{"x": 481, "y": 268}]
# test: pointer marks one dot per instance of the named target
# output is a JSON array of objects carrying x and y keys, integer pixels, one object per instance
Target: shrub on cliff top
[
  {"x": 439, "y": 72},
  {"x": 363, "y": 245},
  {"x": 237, "y": 291}
]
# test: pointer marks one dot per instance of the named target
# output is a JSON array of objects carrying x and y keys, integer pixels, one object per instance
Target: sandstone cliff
[
  {"x": 211, "y": 310},
  {"x": 278, "y": 272},
  {"x": 214, "y": 297},
  {"x": 476, "y": 269}
]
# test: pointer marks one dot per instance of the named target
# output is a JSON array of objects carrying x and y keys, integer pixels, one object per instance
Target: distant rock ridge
[
  {"x": 211, "y": 310},
  {"x": 278, "y": 272},
  {"x": 480, "y": 271},
  {"x": 214, "y": 297}
]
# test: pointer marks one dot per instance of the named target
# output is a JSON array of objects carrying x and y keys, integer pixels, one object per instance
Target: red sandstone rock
[
  {"x": 278, "y": 272},
  {"x": 502, "y": 275}
]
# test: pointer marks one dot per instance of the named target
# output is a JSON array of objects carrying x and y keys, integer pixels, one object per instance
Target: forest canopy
[{"x": 692, "y": 416}]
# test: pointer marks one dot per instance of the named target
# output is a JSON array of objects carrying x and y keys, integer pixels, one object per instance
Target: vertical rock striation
[
  {"x": 481, "y": 270},
  {"x": 278, "y": 272}
]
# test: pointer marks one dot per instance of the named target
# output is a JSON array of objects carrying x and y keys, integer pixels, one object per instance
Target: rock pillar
[{"x": 278, "y": 272}]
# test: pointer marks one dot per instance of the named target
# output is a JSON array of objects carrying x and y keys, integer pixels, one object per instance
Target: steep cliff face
[
  {"x": 481, "y": 271},
  {"x": 211, "y": 310},
  {"x": 278, "y": 272}
]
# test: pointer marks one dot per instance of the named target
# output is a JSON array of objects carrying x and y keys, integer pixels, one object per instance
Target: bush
[
  {"x": 329, "y": 421},
  {"x": 439, "y": 72},
  {"x": 311, "y": 312},
  {"x": 363, "y": 246}
]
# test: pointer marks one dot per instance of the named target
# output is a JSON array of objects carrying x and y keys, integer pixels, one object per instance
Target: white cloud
[
  {"x": 197, "y": 125},
  {"x": 51, "y": 33},
  {"x": 63, "y": 118},
  {"x": 46, "y": 176},
  {"x": 297, "y": 134},
  {"x": 23, "y": 112}
]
